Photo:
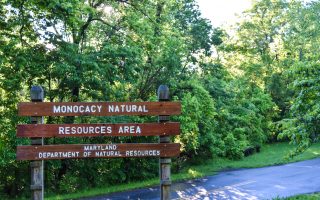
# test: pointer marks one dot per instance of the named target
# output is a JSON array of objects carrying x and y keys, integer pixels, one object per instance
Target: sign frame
[{"x": 37, "y": 131}]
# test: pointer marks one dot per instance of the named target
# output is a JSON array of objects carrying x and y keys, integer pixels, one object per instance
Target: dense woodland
[{"x": 253, "y": 83}]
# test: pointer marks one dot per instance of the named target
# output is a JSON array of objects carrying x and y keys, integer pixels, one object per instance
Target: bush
[{"x": 198, "y": 136}]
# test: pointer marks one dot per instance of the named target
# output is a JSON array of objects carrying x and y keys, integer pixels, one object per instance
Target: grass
[
  {"x": 271, "y": 154},
  {"x": 274, "y": 154},
  {"x": 313, "y": 196}
]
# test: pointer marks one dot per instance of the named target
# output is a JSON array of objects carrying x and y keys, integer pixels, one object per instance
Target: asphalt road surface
[{"x": 260, "y": 183}]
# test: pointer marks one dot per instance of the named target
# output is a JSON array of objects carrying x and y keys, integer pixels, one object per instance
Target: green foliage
[
  {"x": 233, "y": 147},
  {"x": 312, "y": 196},
  {"x": 97, "y": 51},
  {"x": 302, "y": 125},
  {"x": 197, "y": 120},
  {"x": 247, "y": 117},
  {"x": 276, "y": 49},
  {"x": 233, "y": 89}
]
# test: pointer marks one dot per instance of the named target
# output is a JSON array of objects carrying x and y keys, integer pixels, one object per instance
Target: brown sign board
[
  {"x": 94, "y": 130},
  {"x": 98, "y": 108},
  {"x": 72, "y": 151}
]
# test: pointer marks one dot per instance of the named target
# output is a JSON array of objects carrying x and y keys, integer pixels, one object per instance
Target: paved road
[{"x": 250, "y": 184}]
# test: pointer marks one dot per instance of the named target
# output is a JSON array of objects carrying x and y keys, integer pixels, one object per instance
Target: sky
[{"x": 220, "y": 12}]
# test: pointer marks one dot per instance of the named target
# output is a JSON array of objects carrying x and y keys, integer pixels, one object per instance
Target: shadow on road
[{"x": 246, "y": 184}]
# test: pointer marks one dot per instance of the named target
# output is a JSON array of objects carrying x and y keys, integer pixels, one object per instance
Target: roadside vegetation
[
  {"x": 241, "y": 88},
  {"x": 313, "y": 196}
]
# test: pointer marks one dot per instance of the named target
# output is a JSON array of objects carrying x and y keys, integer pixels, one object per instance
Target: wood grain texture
[
  {"x": 72, "y": 151},
  {"x": 98, "y": 108},
  {"x": 95, "y": 130}
]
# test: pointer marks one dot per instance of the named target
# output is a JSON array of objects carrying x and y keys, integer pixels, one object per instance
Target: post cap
[
  {"x": 36, "y": 93},
  {"x": 163, "y": 93}
]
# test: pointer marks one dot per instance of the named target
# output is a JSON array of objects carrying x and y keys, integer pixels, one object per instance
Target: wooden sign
[
  {"x": 98, "y": 108},
  {"x": 93, "y": 130},
  {"x": 50, "y": 152}
]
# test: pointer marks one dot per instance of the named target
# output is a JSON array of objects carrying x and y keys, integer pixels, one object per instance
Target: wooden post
[
  {"x": 37, "y": 187},
  {"x": 164, "y": 163}
]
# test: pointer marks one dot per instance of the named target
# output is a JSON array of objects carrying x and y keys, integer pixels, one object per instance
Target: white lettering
[
  {"x": 134, "y": 108},
  {"x": 85, "y": 130},
  {"x": 138, "y": 130},
  {"x": 126, "y": 129},
  {"x": 58, "y": 154},
  {"x": 69, "y": 109},
  {"x": 107, "y": 153},
  {"x": 61, "y": 130},
  {"x": 91, "y": 129},
  {"x": 109, "y": 129},
  {"x": 122, "y": 108},
  {"x": 75, "y": 130},
  {"x": 81, "y": 109},
  {"x": 102, "y": 130},
  {"x": 100, "y": 147},
  {"x": 120, "y": 129},
  {"x": 99, "y": 108},
  {"x": 75, "y": 109},
  {"x": 139, "y": 153},
  {"x": 63, "y": 109},
  {"x": 111, "y": 108},
  {"x": 97, "y": 129},
  {"x": 127, "y": 108},
  {"x": 87, "y": 109},
  {"x": 56, "y": 109},
  {"x": 87, "y": 153},
  {"x": 67, "y": 130},
  {"x": 130, "y": 129}
]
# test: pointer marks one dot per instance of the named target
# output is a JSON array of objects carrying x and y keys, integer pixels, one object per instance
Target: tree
[
  {"x": 91, "y": 51},
  {"x": 301, "y": 45}
]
